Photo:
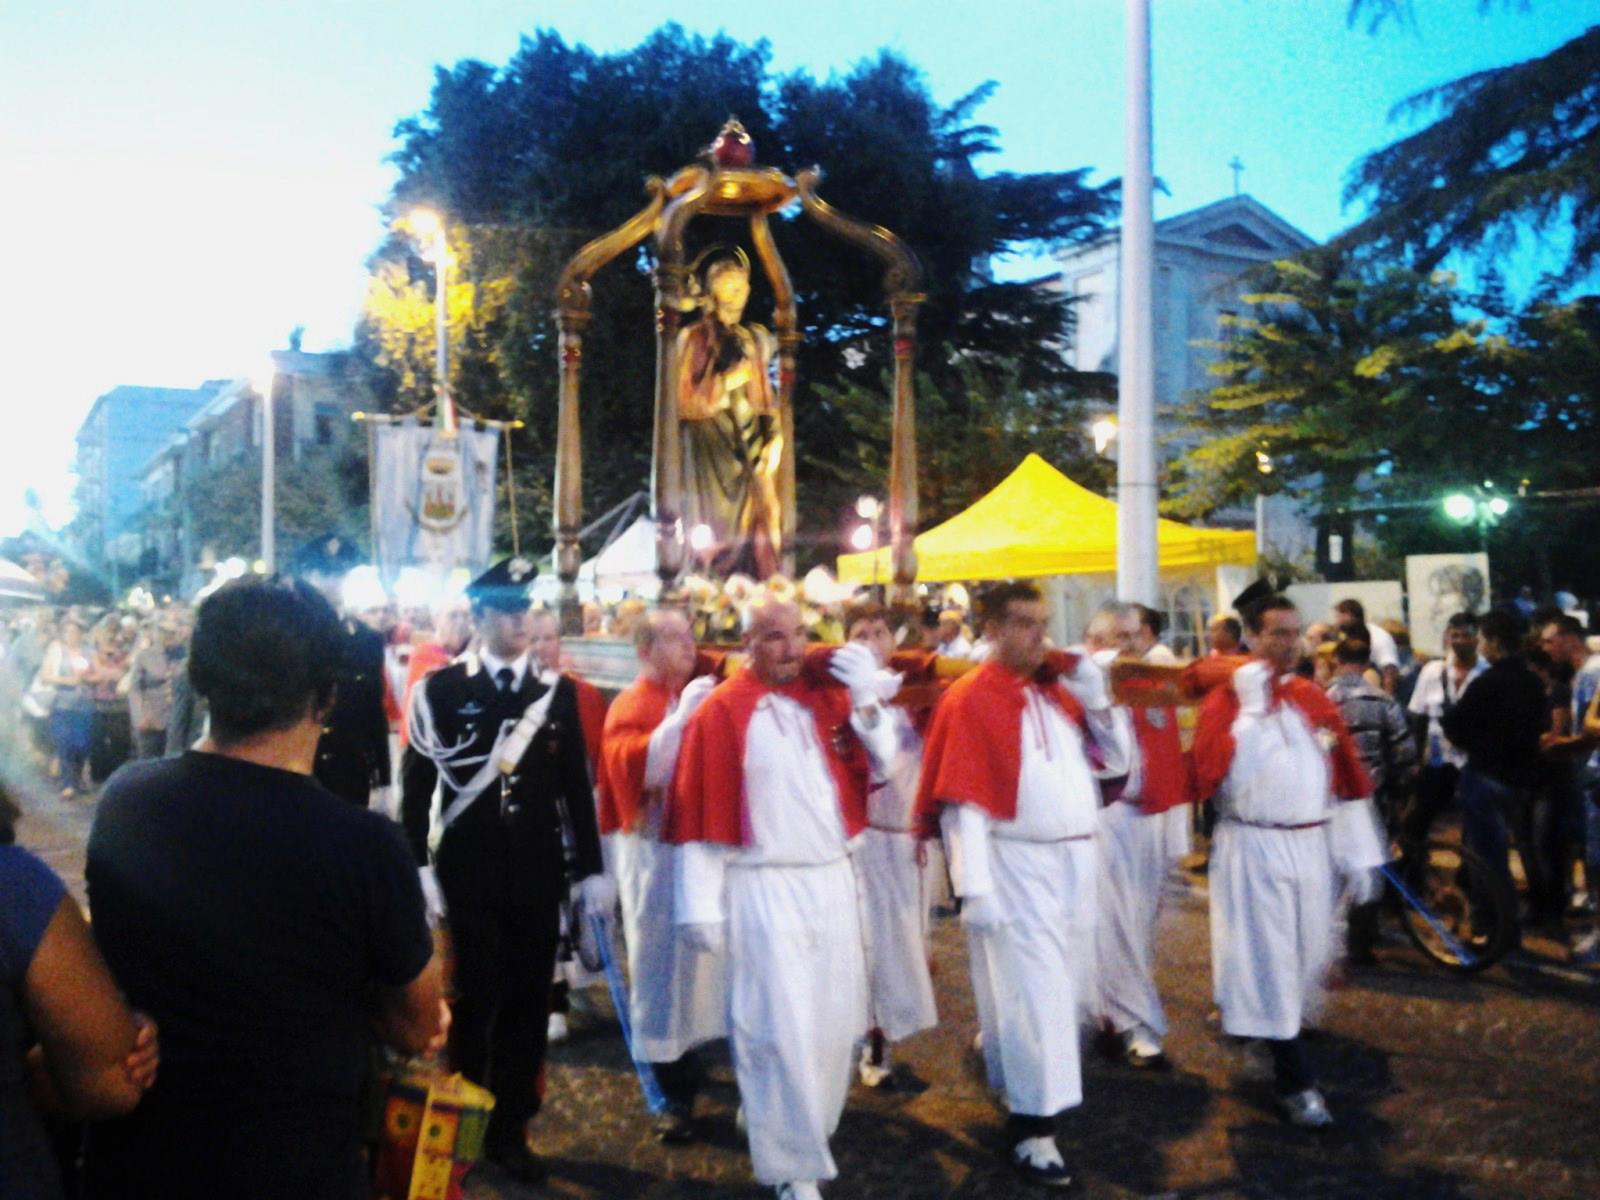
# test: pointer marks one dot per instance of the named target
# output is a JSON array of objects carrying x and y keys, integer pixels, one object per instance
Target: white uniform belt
[{"x": 1275, "y": 824}]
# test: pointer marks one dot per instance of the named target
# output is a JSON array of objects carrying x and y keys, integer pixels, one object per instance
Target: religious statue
[{"x": 730, "y": 439}]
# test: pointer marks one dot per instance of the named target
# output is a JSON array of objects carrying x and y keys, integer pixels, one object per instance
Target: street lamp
[
  {"x": 1477, "y": 507},
  {"x": 426, "y": 224},
  {"x": 1104, "y": 431},
  {"x": 269, "y": 469}
]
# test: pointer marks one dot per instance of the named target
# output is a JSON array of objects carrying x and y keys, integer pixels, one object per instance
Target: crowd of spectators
[{"x": 1500, "y": 727}]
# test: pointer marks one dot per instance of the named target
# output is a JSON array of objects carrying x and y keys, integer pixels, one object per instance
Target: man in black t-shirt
[
  {"x": 270, "y": 928},
  {"x": 1498, "y": 722}
]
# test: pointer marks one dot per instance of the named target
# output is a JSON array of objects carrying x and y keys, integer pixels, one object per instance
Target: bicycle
[{"x": 1453, "y": 907}]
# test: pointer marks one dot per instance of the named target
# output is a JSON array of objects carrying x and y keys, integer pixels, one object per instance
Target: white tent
[
  {"x": 625, "y": 567},
  {"x": 17, "y": 585}
]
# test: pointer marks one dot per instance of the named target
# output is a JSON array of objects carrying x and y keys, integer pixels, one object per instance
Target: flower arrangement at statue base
[{"x": 716, "y": 610}]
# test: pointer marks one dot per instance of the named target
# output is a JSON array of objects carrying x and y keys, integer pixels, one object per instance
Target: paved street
[{"x": 1443, "y": 1087}]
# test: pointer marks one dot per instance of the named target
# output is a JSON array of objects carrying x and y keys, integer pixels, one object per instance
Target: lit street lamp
[
  {"x": 1477, "y": 507},
  {"x": 1104, "y": 432},
  {"x": 425, "y": 223}
]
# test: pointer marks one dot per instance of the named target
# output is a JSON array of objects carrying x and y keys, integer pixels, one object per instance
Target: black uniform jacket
[
  {"x": 353, "y": 752},
  {"x": 504, "y": 848}
]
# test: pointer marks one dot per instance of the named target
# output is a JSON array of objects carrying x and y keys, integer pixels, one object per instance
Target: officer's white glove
[
  {"x": 982, "y": 911},
  {"x": 1088, "y": 684},
  {"x": 1364, "y": 886},
  {"x": 598, "y": 894},
  {"x": 856, "y": 666},
  {"x": 1253, "y": 685},
  {"x": 693, "y": 695},
  {"x": 432, "y": 895},
  {"x": 887, "y": 684},
  {"x": 706, "y": 936}
]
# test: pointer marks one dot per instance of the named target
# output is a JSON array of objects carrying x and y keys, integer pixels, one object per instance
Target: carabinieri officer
[{"x": 515, "y": 824}]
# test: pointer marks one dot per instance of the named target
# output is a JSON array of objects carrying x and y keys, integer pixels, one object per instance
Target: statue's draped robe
[{"x": 723, "y": 431}]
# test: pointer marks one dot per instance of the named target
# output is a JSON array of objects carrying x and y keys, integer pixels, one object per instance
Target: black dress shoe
[
  {"x": 675, "y": 1127},
  {"x": 1056, "y": 1176},
  {"x": 517, "y": 1161}
]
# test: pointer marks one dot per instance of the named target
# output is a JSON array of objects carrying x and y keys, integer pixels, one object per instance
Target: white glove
[
  {"x": 706, "y": 936},
  {"x": 1364, "y": 886},
  {"x": 693, "y": 695},
  {"x": 856, "y": 666},
  {"x": 598, "y": 894},
  {"x": 432, "y": 896},
  {"x": 887, "y": 684},
  {"x": 1253, "y": 684},
  {"x": 982, "y": 911},
  {"x": 381, "y": 799},
  {"x": 1088, "y": 684}
]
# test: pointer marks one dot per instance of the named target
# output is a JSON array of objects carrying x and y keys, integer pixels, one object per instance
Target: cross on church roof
[{"x": 1237, "y": 168}]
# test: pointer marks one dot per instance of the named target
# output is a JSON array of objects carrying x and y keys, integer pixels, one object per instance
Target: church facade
[{"x": 1201, "y": 258}]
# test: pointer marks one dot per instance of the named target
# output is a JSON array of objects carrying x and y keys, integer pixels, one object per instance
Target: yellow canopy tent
[{"x": 1037, "y": 522}]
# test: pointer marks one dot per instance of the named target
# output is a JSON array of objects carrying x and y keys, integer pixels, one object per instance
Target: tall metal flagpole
[
  {"x": 441, "y": 319},
  {"x": 1137, "y": 579}
]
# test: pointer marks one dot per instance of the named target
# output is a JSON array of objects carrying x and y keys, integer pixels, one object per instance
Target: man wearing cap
[
  {"x": 515, "y": 822},
  {"x": 1294, "y": 814}
]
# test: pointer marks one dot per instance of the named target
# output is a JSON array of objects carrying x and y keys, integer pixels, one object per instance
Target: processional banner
[{"x": 433, "y": 497}]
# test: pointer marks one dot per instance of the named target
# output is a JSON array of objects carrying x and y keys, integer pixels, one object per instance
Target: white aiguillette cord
[{"x": 508, "y": 750}]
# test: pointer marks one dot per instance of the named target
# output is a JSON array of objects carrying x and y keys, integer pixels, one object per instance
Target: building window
[{"x": 325, "y": 421}]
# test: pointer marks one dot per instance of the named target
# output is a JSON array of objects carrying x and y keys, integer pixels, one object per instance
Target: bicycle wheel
[{"x": 1460, "y": 913}]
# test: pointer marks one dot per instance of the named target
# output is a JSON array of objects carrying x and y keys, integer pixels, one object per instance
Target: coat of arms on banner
[
  {"x": 433, "y": 496},
  {"x": 442, "y": 493}
]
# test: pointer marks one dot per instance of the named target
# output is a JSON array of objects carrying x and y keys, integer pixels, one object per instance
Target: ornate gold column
[
  {"x": 903, "y": 450},
  {"x": 688, "y": 188},
  {"x": 786, "y": 322},
  {"x": 573, "y": 299},
  {"x": 569, "y": 467},
  {"x": 900, "y": 282}
]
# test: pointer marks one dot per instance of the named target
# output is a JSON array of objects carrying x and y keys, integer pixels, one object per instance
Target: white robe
[
  {"x": 797, "y": 987},
  {"x": 1032, "y": 975},
  {"x": 894, "y": 894},
  {"x": 1273, "y": 889},
  {"x": 1137, "y": 851},
  {"x": 677, "y": 993}
]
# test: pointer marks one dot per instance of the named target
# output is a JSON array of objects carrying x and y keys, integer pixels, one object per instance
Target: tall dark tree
[
  {"x": 1347, "y": 382},
  {"x": 530, "y": 160},
  {"x": 1512, "y": 149}
]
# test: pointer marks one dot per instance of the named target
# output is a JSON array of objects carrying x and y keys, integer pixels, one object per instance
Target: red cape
[
  {"x": 591, "y": 719},
  {"x": 1167, "y": 775},
  {"x": 973, "y": 752},
  {"x": 1214, "y": 745},
  {"x": 624, "y": 745},
  {"x": 708, "y": 792},
  {"x": 425, "y": 659}
]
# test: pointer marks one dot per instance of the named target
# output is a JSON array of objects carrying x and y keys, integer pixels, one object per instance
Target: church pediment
[
  {"x": 1236, "y": 235},
  {"x": 1237, "y": 223}
]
